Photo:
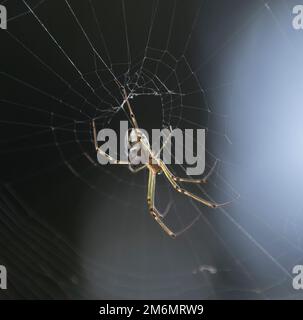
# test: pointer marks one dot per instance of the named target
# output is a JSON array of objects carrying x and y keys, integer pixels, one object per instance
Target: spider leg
[
  {"x": 100, "y": 151},
  {"x": 151, "y": 204},
  {"x": 95, "y": 135},
  {"x": 190, "y": 180},
  {"x": 135, "y": 170},
  {"x": 130, "y": 110},
  {"x": 111, "y": 159},
  {"x": 176, "y": 186}
]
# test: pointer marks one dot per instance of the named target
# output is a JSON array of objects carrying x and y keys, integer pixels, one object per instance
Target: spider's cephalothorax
[
  {"x": 137, "y": 146},
  {"x": 140, "y": 156},
  {"x": 139, "y": 152}
]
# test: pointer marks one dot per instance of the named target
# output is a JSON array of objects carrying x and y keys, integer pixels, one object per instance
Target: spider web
[{"x": 62, "y": 75}]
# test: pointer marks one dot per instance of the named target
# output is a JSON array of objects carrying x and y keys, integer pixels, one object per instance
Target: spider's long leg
[
  {"x": 111, "y": 159},
  {"x": 133, "y": 119},
  {"x": 151, "y": 204},
  {"x": 131, "y": 113},
  {"x": 135, "y": 170},
  {"x": 100, "y": 151},
  {"x": 95, "y": 135},
  {"x": 170, "y": 178},
  {"x": 190, "y": 180}
]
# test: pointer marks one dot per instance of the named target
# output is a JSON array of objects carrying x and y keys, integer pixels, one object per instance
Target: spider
[{"x": 155, "y": 166}]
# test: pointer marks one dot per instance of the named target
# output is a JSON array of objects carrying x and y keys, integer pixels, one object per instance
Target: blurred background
[{"x": 73, "y": 229}]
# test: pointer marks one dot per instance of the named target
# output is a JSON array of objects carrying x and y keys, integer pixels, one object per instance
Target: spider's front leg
[
  {"x": 100, "y": 151},
  {"x": 151, "y": 204}
]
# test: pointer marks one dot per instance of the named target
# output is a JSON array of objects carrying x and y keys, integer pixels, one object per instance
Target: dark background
[{"x": 71, "y": 228}]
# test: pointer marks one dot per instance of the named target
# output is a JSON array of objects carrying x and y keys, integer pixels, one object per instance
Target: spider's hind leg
[
  {"x": 176, "y": 186},
  {"x": 151, "y": 205},
  {"x": 190, "y": 180}
]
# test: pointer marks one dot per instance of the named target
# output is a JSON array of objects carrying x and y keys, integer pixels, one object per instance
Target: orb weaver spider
[{"x": 155, "y": 166}]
